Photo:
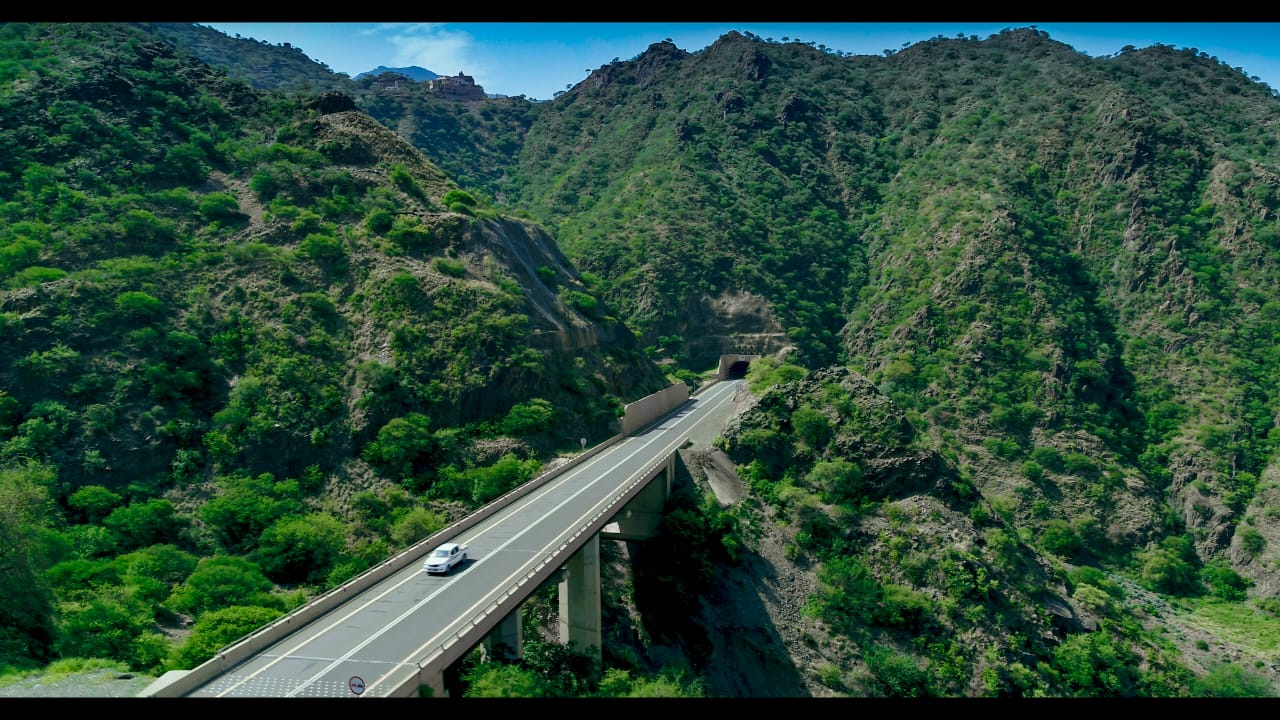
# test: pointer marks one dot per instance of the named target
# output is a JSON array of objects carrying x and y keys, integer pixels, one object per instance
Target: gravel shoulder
[{"x": 100, "y": 683}]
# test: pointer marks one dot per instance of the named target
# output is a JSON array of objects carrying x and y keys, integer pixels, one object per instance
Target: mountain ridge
[
  {"x": 413, "y": 72},
  {"x": 1017, "y": 359}
]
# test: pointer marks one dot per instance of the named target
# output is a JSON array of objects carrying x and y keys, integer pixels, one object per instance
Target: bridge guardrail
[
  {"x": 172, "y": 685},
  {"x": 552, "y": 560},
  {"x": 241, "y": 649}
]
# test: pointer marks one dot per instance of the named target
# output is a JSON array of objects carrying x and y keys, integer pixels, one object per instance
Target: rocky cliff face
[{"x": 732, "y": 321}]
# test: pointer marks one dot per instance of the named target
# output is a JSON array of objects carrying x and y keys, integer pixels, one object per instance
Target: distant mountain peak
[{"x": 412, "y": 72}]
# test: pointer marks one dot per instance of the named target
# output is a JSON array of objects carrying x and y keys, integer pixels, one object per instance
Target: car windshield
[{"x": 440, "y": 552}]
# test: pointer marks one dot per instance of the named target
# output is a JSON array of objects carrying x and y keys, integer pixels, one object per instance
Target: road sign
[{"x": 356, "y": 683}]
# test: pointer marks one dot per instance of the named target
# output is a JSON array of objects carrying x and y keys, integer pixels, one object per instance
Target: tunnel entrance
[{"x": 734, "y": 367}]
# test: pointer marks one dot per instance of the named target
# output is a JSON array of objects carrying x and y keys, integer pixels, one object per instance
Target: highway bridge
[{"x": 394, "y": 630}]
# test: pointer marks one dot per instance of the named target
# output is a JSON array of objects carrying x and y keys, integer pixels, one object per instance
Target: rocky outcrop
[
  {"x": 333, "y": 101},
  {"x": 731, "y": 322}
]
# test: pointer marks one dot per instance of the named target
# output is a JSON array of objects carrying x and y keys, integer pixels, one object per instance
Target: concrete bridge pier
[
  {"x": 506, "y": 641},
  {"x": 639, "y": 519},
  {"x": 580, "y": 599}
]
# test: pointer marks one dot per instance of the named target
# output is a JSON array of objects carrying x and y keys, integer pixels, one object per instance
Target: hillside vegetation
[{"x": 1013, "y": 427}]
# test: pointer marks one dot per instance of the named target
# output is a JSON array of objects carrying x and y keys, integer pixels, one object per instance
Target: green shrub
[
  {"x": 33, "y": 276},
  {"x": 326, "y": 250},
  {"x": 897, "y": 675},
  {"x": 452, "y": 268},
  {"x": 109, "y": 628},
  {"x": 409, "y": 234},
  {"x": 1252, "y": 541},
  {"x": 766, "y": 372},
  {"x": 221, "y": 206},
  {"x": 244, "y": 507},
  {"x": 812, "y": 427},
  {"x": 18, "y": 254},
  {"x": 1079, "y": 464},
  {"x": 219, "y": 582},
  {"x": 1229, "y": 680},
  {"x": 218, "y": 629},
  {"x": 1223, "y": 582},
  {"x": 1096, "y": 664},
  {"x": 1059, "y": 538},
  {"x": 300, "y": 548},
  {"x": 831, "y": 676},
  {"x": 139, "y": 306},
  {"x": 404, "y": 446},
  {"x": 839, "y": 480},
  {"x": 401, "y": 178},
  {"x": 415, "y": 524},
  {"x": 93, "y": 502},
  {"x": 582, "y": 302},
  {"x": 1001, "y": 448},
  {"x": 1170, "y": 567},
  {"x": 140, "y": 524},
  {"x": 1048, "y": 458},
  {"x": 379, "y": 221},
  {"x": 529, "y": 418},
  {"x": 1032, "y": 471},
  {"x": 1088, "y": 575},
  {"x": 265, "y": 185},
  {"x": 459, "y": 198}
]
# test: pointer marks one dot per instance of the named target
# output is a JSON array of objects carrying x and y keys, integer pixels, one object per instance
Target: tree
[
  {"x": 94, "y": 502},
  {"x": 147, "y": 523},
  {"x": 301, "y": 548},
  {"x": 219, "y": 628},
  {"x": 416, "y": 524},
  {"x": 219, "y": 582},
  {"x": 812, "y": 427},
  {"x": 26, "y": 600},
  {"x": 528, "y": 418},
  {"x": 108, "y": 628},
  {"x": 404, "y": 446},
  {"x": 1170, "y": 567},
  {"x": 248, "y": 506}
]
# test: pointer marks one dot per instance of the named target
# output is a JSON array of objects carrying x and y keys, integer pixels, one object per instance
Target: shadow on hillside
[{"x": 714, "y": 620}]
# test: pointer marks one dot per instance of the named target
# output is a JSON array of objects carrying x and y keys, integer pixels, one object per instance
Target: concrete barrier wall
[
  {"x": 179, "y": 684},
  {"x": 640, "y": 413},
  {"x": 649, "y": 408}
]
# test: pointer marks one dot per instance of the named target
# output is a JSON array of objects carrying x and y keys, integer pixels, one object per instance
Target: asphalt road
[{"x": 377, "y": 641}]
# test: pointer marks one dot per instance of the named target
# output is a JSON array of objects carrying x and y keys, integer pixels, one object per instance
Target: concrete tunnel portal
[{"x": 734, "y": 366}]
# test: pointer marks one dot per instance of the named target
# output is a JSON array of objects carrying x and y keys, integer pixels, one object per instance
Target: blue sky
[{"x": 539, "y": 59}]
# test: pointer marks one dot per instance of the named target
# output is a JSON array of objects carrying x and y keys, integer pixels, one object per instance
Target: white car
[{"x": 444, "y": 558}]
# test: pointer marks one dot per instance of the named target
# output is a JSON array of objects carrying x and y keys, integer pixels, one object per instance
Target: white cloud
[{"x": 442, "y": 51}]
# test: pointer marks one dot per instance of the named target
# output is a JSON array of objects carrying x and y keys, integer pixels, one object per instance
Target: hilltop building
[{"x": 456, "y": 87}]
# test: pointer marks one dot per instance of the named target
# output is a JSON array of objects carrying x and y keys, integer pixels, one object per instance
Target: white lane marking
[
  {"x": 716, "y": 393},
  {"x": 679, "y": 439}
]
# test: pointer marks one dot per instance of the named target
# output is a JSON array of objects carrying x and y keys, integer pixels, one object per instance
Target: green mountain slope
[
  {"x": 1011, "y": 433},
  {"x": 257, "y": 327},
  {"x": 1019, "y": 244}
]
